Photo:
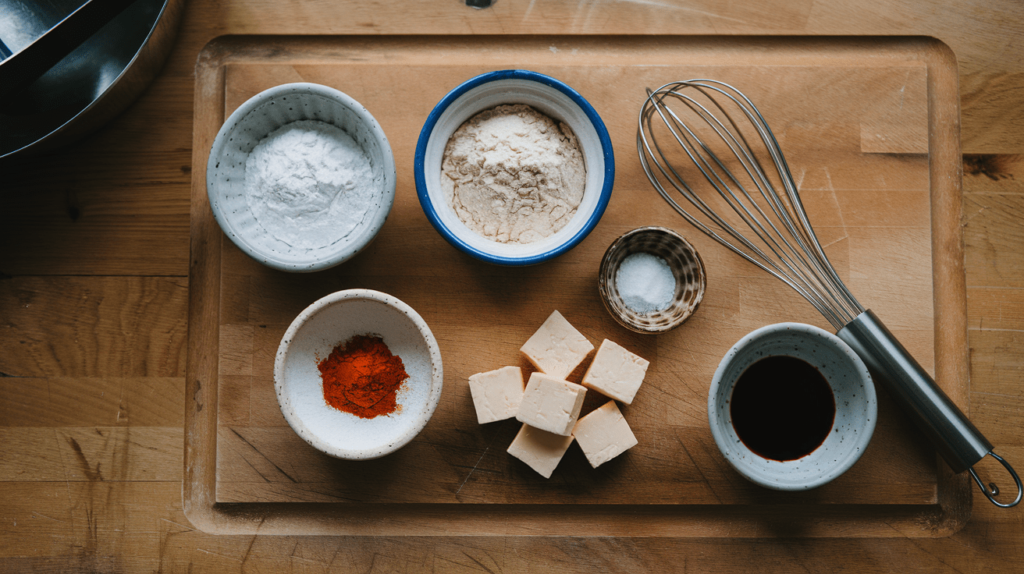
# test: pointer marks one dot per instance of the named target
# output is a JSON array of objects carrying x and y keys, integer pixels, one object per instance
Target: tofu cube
[
  {"x": 497, "y": 394},
  {"x": 557, "y": 347},
  {"x": 604, "y": 434},
  {"x": 615, "y": 372},
  {"x": 551, "y": 404},
  {"x": 539, "y": 449}
]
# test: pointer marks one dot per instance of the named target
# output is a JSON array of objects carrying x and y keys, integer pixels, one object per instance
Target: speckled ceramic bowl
[
  {"x": 256, "y": 119},
  {"x": 852, "y": 389},
  {"x": 548, "y": 96},
  {"x": 335, "y": 319},
  {"x": 686, "y": 266}
]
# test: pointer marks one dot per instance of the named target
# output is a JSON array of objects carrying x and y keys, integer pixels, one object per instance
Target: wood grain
[
  {"x": 138, "y": 170},
  {"x": 93, "y": 326},
  {"x": 455, "y": 461},
  {"x": 91, "y": 401},
  {"x": 989, "y": 230}
]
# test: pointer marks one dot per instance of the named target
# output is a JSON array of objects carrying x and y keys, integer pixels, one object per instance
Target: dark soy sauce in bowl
[{"x": 782, "y": 408}]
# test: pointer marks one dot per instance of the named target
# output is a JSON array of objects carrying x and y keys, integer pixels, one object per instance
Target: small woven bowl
[{"x": 686, "y": 266}]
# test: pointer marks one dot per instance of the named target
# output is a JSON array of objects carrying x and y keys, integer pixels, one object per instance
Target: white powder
[
  {"x": 512, "y": 175},
  {"x": 645, "y": 282},
  {"x": 309, "y": 184}
]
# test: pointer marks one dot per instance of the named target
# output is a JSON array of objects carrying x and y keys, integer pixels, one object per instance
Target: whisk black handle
[{"x": 958, "y": 441}]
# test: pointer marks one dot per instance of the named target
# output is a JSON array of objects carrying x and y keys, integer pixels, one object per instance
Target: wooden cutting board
[{"x": 871, "y": 132}]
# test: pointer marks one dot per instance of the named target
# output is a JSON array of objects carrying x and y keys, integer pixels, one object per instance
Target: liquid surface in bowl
[{"x": 782, "y": 408}]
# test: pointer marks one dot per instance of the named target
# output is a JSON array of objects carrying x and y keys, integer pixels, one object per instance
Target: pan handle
[{"x": 20, "y": 69}]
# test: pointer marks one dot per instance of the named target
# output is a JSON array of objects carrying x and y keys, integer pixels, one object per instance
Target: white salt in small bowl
[
  {"x": 335, "y": 319},
  {"x": 255, "y": 120},
  {"x": 683, "y": 261},
  {"x": 548, "y": 96}
]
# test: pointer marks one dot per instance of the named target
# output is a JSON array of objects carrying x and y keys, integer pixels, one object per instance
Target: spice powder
[{"x": 361, "y": 376}]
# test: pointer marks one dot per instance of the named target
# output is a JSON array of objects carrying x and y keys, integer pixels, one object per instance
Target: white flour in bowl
[
  {"x": 309, "y": 184},
  {"x": 513, "y": 175}
]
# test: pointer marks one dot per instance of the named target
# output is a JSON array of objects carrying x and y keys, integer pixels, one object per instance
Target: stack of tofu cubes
[{"x": 549, "y": 406}]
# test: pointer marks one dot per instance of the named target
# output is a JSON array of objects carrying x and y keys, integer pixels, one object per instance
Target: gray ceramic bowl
[
  {"x": 852, "y": 389},
  {"x": 682, "y": 259},
  {"x": 251, "y": 123}
]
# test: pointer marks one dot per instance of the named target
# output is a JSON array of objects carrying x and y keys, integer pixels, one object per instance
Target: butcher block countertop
[{"x": 124, "y": 313}]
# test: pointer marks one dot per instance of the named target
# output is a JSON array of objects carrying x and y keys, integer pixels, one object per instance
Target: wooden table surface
[{"x": 94, "y": 288}]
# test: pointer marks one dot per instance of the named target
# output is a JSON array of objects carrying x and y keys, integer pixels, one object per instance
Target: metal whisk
[{"x": 758, "y": 214}]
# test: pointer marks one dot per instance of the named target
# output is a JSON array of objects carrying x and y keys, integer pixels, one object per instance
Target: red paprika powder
[{"x": 362, "y": 377}]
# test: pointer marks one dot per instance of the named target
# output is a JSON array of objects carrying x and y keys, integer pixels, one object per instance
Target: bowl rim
[
  {"x": 605, "y": 292},
  {"x": 856, "y": 446},
  {"x": 346, "y": 249},
  {"x": 436, "y": 379},
  {"x": 514, "y": 74},
  {"x": 69, "y": 131}
]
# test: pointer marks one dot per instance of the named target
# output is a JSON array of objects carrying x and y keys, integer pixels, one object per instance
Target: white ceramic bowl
[
  {"x": 548, "y": 96},
  {"x": 252, "y": 122},
  {"x": 335, "y": 319},
  {"x": 854, "y": 393}
]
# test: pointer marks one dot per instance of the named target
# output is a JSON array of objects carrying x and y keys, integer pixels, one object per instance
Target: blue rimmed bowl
[{"x": 548, "y": 96}]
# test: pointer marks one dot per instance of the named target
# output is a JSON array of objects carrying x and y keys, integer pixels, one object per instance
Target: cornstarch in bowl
[
  {"x": 301, "y": 177},
  {"x": 308, "y": 183}
]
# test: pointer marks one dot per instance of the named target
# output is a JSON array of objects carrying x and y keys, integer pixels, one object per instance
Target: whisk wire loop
[
  {"x": 783, "y": 242},
  {"x": 793, "y": 258},
  {"x": 760, "y": 259},
  {"x": 804, "y": 229},
  {"x": 802, "y": 234}
]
